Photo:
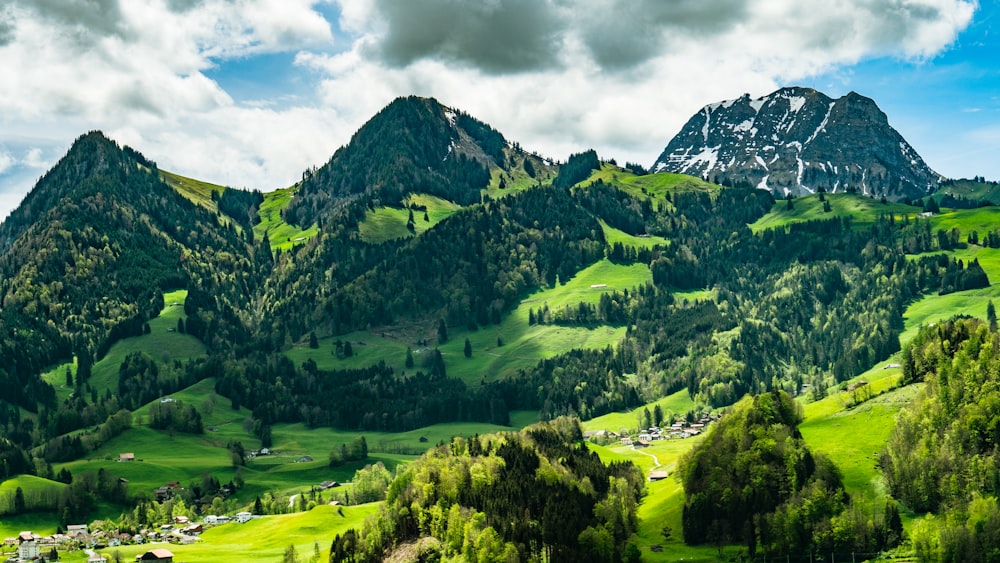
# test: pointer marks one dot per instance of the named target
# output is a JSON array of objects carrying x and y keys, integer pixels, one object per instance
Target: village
[
  {"x": 645, "y": 437},
  {"x": 28, "y": 546}
]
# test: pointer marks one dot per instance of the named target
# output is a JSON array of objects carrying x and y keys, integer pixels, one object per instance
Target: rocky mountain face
[{"x": 798, "y": 140}]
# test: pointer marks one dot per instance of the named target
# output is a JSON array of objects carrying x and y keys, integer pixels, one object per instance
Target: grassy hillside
[
  {"x": 678, "y": 404},
  {"x": 861, "y": 209},
  {"x": 387, "y": 223},
  {"x": 281, "y": 235},
  {"x": 982, "y": 219},
  {"x": 613, "y": 235},
  {"x": 971, "y": 189},
  {"x": 654, "y": 186},
  {"x": 516, "y": 179},
  {"x": 271, "y": 535},
  {"x": 523, "y": 344},
  {"x": 163, "y": 343},
  {"x": 195, "y": 190}
]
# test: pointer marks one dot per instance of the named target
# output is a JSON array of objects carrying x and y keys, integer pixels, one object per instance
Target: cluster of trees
[
  {"x": 175, "y": 416},
  {"x": 942, "y": 456},
  {"x": 357, "y": 450},
  {"x": 507, "y": 497},
  {"x": 577, "y": 168},
  {"x": 67, "y": 447},
  {"x": 240, "y": 205},
  {"x": 754, "y": 480},
  {"x": 372, "y": 398}
]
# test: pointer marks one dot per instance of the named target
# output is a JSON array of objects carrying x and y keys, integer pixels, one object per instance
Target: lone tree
[
  {"x": 313, "y": 341},
  {"x": 468, "y": 348},
  {"x": 442, "y": 332}
]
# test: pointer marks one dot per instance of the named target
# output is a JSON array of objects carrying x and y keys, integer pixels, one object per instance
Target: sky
[{"x": 249, "y": 93}]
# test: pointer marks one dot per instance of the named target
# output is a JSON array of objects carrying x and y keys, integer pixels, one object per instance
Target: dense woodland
[
  {"x": 537, "y": 494},
  {"x": 753, "y": 480},
  {"x": 942, "y": 455}
]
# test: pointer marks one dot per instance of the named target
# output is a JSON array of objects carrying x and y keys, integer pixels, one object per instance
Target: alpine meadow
[{"x": 777, "y": 343}]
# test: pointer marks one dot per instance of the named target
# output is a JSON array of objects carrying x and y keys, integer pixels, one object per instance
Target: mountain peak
[
  {"x": 798, "y": 140},
  {"x": 412, "y": 145}
]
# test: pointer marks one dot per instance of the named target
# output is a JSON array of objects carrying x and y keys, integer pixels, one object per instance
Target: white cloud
[
  {"x": 6, "y": 161},
  {"x": 559, "y": 76}
]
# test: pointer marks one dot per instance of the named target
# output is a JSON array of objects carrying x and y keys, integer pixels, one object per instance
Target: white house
[
  {"x": 243, "y": 517},
  {"x": 28, "y": 547}
]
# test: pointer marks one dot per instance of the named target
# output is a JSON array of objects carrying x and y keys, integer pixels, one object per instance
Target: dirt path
[{"x": 656, "y": 462}]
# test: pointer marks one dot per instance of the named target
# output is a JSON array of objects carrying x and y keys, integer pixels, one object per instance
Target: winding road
[{"x": 656, "y": 462}]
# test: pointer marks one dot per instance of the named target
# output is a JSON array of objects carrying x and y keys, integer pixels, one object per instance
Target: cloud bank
[{"x": 559, "y": 76}]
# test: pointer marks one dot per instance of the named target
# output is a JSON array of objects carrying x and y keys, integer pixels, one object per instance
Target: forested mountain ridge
[
  {"x": 414, "y": 145},
  {"x": 90, "y": 253}
]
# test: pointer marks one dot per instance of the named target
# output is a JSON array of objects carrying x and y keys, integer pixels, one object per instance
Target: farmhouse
[
  {"x": 97, "y": 558},
  {"x": 126, "y": 456},
  {"x": 158, "y": 554},
  {"x": 243, "y": 517},
  {"x": 74, "y": 530},
  {"x": 657, "y": 475}
]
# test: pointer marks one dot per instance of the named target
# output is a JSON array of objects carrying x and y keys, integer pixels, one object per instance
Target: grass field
[
  {"x": 388, "y": 223},
  {"x": 983, "y": 220},
  {"x": 861, "y": 209},
  {"x": 515, "y": 179},
  {"x": 163, "y": 344},
  {"x": 677, "y": 404},
  {"x": 523, "y": 344},
  {"x": 970, "y": 189},
  {"x": 649, "y": 186},
  {"x": 42, "y": 523},
  {"x": 934, "y": 308},
  {"x": 613, "y": 235},
  {"x": 261, "y": 539},
  {"x": 195, "y": 190},
  {"x": 280, "y": 234}
]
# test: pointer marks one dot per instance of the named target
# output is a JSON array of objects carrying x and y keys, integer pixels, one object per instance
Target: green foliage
[
  {"x": 943, "y": 450},
  {"x": 577, "y": 168},
  {"x": 175, "y": 416},
  {"x": 408, "y": 147},
  {"x": 754, "y": 480},
  {"x": 529, "y": 495},
  {"x": 357, "y": 450},
  {"x": 241, "y": 206}
]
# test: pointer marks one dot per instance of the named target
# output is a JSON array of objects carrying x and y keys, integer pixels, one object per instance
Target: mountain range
[
  {"x": 799, "y": 140},
  {"x": 433, "y": 271}
]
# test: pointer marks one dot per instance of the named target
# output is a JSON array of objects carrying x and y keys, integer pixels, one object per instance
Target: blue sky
[
  {"x": 251, "y": 93},
  {"x": 947, "y": 106}
]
